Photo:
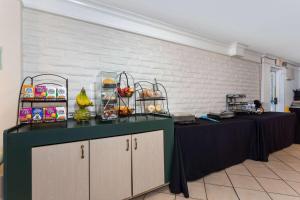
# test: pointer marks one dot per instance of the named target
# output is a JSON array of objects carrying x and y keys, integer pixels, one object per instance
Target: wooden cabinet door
[
  {"x": 110, "y": 165},
  {"x": 61, "y": 172},
  {"x": 147, "y": 161}
]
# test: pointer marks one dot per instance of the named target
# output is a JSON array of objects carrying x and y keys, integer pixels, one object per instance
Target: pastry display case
[{"x": 106, "y": 96}]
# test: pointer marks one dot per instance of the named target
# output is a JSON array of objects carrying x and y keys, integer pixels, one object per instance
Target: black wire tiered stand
[
  {"x": 151, "y": 98},
  {"x": 126, "y": 104},
  {"x": 42, "y": 79},
  {"x": 124, "y": 97}
]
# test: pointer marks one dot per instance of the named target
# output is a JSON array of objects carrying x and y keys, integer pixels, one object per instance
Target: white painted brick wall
[
  {"x": 290, "y": 86},
  {"x": 196, "y": 80}
]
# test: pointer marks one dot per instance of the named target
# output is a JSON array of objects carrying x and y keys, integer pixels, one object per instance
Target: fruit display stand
[
  {"x": 51, "y": 80},
  {"x": 125, "y": 92},
  {"x": 151, "y": 98},
  {"x": 83, "y": 101}
]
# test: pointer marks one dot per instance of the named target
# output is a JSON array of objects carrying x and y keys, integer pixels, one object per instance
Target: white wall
[
  {"x": 291, "y": 85},
  {"x": 10, "y": 41},
  {"x": 196, "y": 80}
]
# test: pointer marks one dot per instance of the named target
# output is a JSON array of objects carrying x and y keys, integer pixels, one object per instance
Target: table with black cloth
[
  {"x": 205, "y": 146},
  {"x": 297, "y": 113},
  {"x": 274, "y": 131}
]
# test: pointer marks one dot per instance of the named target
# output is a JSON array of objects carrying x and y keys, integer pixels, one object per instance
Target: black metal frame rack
[
  {"x": 34, "y": 100},
  {"x": 125, "y": 100},
  {"x": 156, "y": 87}
]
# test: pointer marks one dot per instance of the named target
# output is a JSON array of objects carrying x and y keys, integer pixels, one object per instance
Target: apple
[{"x": 126, "y": 90}]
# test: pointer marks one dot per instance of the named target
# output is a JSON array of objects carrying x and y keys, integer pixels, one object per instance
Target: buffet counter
[
  {"x": 274, "y": 131},
  {"x": 296, "y": 110},
  {"x": 205, "y": 146},
  {"x": 58, "y": 151}
]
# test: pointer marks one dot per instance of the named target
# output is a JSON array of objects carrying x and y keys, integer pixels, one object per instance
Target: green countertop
[{"x": 71, "y": 123}]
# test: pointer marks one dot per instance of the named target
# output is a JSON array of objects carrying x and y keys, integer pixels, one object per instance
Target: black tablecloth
[
  {"x": 297, "y": 112},
  {"x": 274, "y": 131},
  {"x": 206, "y": 147}
]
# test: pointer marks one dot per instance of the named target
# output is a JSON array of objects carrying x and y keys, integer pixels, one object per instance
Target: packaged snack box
[
  {"x": 61, "y": 93},
  {"x": 61, "y": 114},
  {"x": 27, "y": 92},
  {"x": 50, "y": 114},
  {"x": 40, "y": 91},
  {"x": 37, "y": 115},
  {"x": 25, "y": 115},
  {"x": 51, "y": 92}
]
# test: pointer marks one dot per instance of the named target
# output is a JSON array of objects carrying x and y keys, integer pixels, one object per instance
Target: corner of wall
[{"x": 10, "y": 40}]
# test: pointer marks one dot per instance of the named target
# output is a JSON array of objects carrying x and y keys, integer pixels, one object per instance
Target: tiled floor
[{"x": 278, "y": 179}]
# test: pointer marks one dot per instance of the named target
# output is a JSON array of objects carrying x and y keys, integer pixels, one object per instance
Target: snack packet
[
  {"x": 61, "y": 114},
  {"x": 25, "y": 115},
  {"x": 51, "y": 92},
  {"x": 61, "y": 93},
  {"x": 40, "y": 91},
  {"x": 50, "y": 114},
  {"x": 27, "y": 92},
  {"x": 37, "y": 115}
]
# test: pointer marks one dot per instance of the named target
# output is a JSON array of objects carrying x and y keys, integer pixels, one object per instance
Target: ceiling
[{"x": 267, "y": 26}]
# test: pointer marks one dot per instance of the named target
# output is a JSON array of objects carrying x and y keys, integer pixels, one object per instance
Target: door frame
[{"x": 279, "y": 89}]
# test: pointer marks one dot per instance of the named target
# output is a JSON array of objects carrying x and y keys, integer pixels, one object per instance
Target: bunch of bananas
[
  {"x": 82, "y": 114},
  {"x": 83, "y": 100}
]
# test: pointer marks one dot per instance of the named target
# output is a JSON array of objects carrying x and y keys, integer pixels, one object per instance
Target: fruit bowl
[
  {"x": 125, "y": 92},
  {"x": 124, "y": 111}
]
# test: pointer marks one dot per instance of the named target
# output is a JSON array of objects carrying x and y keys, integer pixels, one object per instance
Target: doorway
[{"x": 277, "y": 90}]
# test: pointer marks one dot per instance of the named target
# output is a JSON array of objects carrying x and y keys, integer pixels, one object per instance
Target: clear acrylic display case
[{"x": 106, "y": 96}]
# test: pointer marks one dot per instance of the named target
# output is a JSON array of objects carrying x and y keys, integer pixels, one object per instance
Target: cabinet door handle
[
  {"x": 127, "y": 147},
  {"x": 82, "y": 151},
  {"x": 135, "y": 143}
]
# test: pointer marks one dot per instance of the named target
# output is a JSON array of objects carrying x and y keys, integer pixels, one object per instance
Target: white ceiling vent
[{"x": 237, "y": 50}]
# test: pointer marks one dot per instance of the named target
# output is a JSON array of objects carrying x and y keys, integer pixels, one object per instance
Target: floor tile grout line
[
  {"x": 282, "y": 194},
  {"x": 237, "y": 173},
  {"x": 219, "y": 185},
  {"x": 258, "y": 181},
  {"x": 237, "y": 186},
  {"x": 232, "y": 185},
  {"x": 214, "y": 184},
  {"x": 247, "y": 166},
  {"x": 290, "y": 153},
  {"x": 292, "y": 187},
  {"x": 281, "y": 177},
  {"x": 188, "y": 198},
  {"x": 255, "y": 190},
  {"x": 265, "y": 165},
  {"x": 283, "y": 180},
  {"x": 292, "y": 170},
  {"x": 287, "y": 163},
  {"x": 204, "y": 184}
]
